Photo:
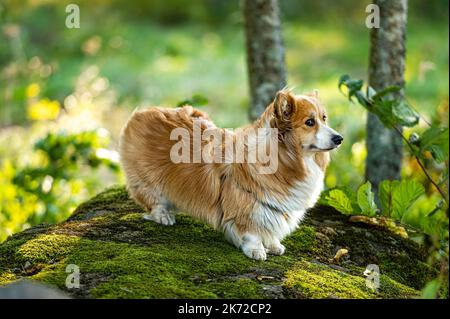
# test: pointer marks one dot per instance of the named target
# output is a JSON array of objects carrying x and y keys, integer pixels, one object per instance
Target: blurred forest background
[{"x": 65, "y": 93}]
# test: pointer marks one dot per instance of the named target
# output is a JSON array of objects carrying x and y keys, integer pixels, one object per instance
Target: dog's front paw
[
  {"x": 253, "y": 247},
  {"x": 161, "y": 218},
  {"x": 277, "y": 249},
  {"x": 257, "y": 254}
]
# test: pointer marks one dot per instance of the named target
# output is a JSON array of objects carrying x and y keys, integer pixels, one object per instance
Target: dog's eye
[{"x": 310, "y": 122}]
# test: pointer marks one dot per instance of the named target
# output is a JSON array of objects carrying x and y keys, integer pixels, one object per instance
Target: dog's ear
[{"x": 284, "y": 106}]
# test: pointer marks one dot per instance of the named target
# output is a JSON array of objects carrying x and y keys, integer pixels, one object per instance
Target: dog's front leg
[
  {"x": 250, "y": 244},
  {"x": 273, "y": 246},
  {"x": 252, "y": 247}
]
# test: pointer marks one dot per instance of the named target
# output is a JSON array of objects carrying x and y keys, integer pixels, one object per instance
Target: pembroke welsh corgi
[{"x": 176, "y": 159}]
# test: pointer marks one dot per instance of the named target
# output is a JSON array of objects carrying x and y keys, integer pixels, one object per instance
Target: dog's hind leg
[
  {"x": 160, "y": 209},
  {"x": 161, "y": 213}
]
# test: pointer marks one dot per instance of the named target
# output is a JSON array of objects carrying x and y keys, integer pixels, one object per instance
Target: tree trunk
[
  {"x": 265, "y": 53},
  {"x": 386, "y": 68}
]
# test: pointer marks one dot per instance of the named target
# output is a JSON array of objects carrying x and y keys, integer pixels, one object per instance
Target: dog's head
[{"x": 305, "y": 118}]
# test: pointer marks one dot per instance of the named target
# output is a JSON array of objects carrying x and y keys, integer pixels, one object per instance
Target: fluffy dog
[{"x": 255, "y": 211}]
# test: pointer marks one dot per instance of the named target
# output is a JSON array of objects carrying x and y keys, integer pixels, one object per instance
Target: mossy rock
[{"x": 121, "y": 255}]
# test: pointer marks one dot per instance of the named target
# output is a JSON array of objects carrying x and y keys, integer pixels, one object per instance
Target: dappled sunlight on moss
[
  {"x": 45, "y": 248},
  {"x": 310, "y": 280},
  {"x": 121, "y": 255},
  {"x": 6, "y": 277}
]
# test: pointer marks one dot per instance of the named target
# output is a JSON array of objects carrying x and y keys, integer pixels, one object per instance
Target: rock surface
[{"x": 121, "y": 255}]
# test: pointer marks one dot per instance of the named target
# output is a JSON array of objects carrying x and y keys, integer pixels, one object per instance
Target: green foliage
[
  {"x": 195, "y": 100},
  {"x": 396, "y": 112},
  {"x": 436, "y": 141},
  {"x": 366, "y": 200},
  {"x": 396, "y": 197},
  {"x": 391, "y": 112},
  {"x": 431, "y": 289},
  {"x": 38, "y": 192},
  {"x": 339, "y": 199},
  {"x": 64, "y": 153}
]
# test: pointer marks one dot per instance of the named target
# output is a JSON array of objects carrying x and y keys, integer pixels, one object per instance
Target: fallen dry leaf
[
  {"x": 339, "y": 254},
  {"x": 381, "y": 222},
  {"x": 261, "y": 277},
  {"x": 364, "y": 219}
]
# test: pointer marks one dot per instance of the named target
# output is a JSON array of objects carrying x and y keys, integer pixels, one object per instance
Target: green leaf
[
  {"x": 198, "y": 100},
  {"x": 404, "y": 114},
  {"x": 385, "y": 190},
  {"x": 404, "y": 194},
  {"x": 342, "y": 81},
  {"x": 362, "y": 99},
  {"x": 339, "y": 200},
  {"x": 195, "y": 100},
  {"x": 436, "y": 141},
  {"x": 366, "y": 200},
  {"x": 431, "y": 289},
  {"x": 380, "y": 94},
  {"x": 353, "y": 86},
  {"x": 383, "y": 110},
  {"x": 397, "y": 197}
]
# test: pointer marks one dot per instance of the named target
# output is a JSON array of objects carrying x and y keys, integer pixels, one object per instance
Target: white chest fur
[{"x": 289, "y": 211}]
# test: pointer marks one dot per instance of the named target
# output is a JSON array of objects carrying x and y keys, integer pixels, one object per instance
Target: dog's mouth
[{"x": 313, "y": 147}]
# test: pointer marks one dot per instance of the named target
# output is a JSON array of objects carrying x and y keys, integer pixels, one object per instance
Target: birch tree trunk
[
  {"x": 386, "y": 68},
  {"x": 265, "y": 53}
]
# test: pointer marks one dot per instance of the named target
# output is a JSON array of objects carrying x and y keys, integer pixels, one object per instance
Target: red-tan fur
[{"x": 220, "y": 192}]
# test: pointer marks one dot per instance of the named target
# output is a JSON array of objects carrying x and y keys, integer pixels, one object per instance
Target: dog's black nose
[{"x": 337, "y": 139}]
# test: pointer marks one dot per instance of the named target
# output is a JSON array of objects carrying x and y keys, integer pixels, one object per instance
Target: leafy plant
[
  {"x": 395, "y": 113},
  {"x": 366, "y": 200},
  {"x": 397, "y": 197},
  {"x": 49, "y": 187},
  {"x": 338, "y": 199}
]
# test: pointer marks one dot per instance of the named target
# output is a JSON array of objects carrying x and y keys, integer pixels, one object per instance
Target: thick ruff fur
[{"x": 255, "y": 211}]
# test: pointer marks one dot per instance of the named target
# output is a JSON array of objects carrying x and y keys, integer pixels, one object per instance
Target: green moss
[
  {"x": 6, "y": 277},
  {"x": 45, "y": 248},
  {"x": 121, "y": 255},
  {"x": 401, "y": 259},
  {"x": 239, "y": 288},
  {"x": 302, "y": 240},
  {"x": 389, "y": 288},
  {"x": 406, "y": 270},
  {"x": 156, "y": 271},
  {"x": 113, "y": 199},
  {"x": 309, "y": 280},
  {"x": 8, "y": 251}
]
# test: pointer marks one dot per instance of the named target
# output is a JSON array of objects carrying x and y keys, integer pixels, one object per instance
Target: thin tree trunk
[
  {"x": 265, "y": 53},
  {"x": 386, "y": 68}
]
